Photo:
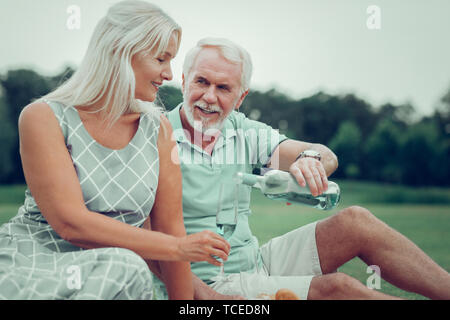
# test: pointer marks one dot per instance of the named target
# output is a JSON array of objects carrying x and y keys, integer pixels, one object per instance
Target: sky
[{"x": 397, "y": 51}]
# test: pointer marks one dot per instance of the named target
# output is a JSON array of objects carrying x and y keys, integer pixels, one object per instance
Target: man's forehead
[{"x": 211, "y": 63}]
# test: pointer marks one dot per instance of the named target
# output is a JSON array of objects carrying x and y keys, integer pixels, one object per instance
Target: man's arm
[
  {"x": 306, "y": 170},
  {"x": 287, "y": 151}
]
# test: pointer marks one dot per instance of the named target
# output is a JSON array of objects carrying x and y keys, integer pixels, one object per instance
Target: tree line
[{"x": 388, "y": 143}]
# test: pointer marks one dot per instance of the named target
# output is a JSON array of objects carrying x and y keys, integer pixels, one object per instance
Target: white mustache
[{"x": 208, "y": 107}]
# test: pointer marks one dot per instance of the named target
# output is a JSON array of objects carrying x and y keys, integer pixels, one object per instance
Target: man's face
[{"x": 211, "y": 90}]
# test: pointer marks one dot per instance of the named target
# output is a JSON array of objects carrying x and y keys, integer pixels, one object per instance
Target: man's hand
[{"x": 310, "y": 171}]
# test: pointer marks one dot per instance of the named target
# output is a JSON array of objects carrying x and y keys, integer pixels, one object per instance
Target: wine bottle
[{"x": 282, "y": 186}]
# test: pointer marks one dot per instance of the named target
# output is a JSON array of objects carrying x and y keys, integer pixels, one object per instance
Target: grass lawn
[{"x": 422, "y": 215}]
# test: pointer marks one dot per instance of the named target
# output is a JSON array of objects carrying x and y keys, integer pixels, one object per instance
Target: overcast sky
[{"x": 297, "y": 46}]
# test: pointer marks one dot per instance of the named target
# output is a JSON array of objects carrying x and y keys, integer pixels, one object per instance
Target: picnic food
[
  {"x": 286, "y": 294},
  {"x": 282, "y": 294}
]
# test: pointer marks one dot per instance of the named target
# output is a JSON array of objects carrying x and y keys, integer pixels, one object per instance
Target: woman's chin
[{"x": 147, "y": 98}]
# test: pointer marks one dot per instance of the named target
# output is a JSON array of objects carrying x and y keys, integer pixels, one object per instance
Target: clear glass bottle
[{"x": 281, "y": 185}]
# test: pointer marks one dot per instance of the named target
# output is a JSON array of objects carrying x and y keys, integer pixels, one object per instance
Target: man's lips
[{"x": 206, "y": 112}]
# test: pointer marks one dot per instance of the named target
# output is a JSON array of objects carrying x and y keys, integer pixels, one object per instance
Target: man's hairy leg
[
  {"x": 339, "y": 286},
  {"x": 355, "y": 232}
]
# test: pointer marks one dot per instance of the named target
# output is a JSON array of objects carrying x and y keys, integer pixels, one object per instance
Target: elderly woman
[{"x": 104, "y": 190}]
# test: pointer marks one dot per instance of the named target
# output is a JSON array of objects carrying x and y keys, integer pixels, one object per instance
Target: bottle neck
[{"x": 249, "y": 179}]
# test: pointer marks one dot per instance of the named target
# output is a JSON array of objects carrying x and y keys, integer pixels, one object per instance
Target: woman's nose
[{"x": 167, "y": 73}]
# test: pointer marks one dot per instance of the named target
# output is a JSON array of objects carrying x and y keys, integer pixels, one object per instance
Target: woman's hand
[{"x": 202, "y": 246}]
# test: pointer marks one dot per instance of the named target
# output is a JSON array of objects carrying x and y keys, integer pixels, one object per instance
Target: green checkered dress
[{"x": 36, "y": 263}]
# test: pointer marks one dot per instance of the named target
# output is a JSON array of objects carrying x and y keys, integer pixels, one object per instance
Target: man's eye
[
  {"x": 223, "y": 88},
  {"x": 160, "y": 60}
]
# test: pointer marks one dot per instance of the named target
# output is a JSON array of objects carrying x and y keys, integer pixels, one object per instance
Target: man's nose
[{"x": 210, "y": 95}]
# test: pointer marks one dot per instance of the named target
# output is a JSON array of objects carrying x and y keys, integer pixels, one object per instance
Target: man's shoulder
[{"x": 238, "y": 120}]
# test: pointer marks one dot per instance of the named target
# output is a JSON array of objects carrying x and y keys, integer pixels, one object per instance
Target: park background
[{"x": 377, "y": 92}]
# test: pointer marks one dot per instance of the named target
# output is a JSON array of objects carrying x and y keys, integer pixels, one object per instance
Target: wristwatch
[{"x": 309, "y": 154}]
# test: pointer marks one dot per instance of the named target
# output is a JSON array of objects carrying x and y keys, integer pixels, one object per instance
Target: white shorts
[{"x": 289, "y": 261}]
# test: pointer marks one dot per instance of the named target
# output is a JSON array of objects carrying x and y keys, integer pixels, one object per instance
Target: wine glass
[{"x": 226, "y": 224}]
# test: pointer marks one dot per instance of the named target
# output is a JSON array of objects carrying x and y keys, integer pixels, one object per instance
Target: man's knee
[
  {"x": 356, "y": 213},
  {"x": 353, "y": 217},
  {"x": 332, "y": 286}
]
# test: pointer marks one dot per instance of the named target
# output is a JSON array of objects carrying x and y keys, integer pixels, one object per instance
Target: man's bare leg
[
  {"x": 339, "y": 286},
  {"x": 355, "y": 232}
]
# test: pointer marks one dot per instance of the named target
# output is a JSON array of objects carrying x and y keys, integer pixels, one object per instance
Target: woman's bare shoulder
[
  {"x": 38, "y": 118},
  {"x": 38, "y": 110}
]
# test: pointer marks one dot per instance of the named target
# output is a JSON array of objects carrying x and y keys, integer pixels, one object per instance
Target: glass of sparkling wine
[{"x": 226, "y": 224}]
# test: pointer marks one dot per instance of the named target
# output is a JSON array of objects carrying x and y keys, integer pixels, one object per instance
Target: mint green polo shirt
[{"x": 243, "y": 145}]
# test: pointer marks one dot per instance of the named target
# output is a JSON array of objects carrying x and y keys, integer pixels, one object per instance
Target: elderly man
[{"x": 213, "y": 144}]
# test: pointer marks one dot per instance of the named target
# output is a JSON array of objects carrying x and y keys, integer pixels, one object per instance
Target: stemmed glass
[{"x": 226, "y": 224}]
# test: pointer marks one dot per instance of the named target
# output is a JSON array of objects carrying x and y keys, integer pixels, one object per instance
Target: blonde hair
[{"x": 130, "y": 27}]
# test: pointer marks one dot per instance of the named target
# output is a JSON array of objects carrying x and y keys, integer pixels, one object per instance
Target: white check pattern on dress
[
  {"x": 120, "y": 183},
  {"x": 35, "y": 260}
]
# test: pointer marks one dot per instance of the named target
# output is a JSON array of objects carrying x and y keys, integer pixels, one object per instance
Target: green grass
[
  {"x": 422, "y": 215},
  {"x": 355, "y": 192}
]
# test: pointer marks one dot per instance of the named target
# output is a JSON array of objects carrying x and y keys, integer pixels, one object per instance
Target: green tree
[
  {"x": 7, "y": 141},
  {"x": 420, "y": 154},
  {"x": 383, "y": 151},
  {"x": 20, "y": 87},
  {"x": 346, "y": 145},
  {"x": 169, "y": 97}
]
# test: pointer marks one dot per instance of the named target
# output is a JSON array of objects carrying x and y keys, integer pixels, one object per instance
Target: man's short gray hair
[{"x": 230, "y": 51}]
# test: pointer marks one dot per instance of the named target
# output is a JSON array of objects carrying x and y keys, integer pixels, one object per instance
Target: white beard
[{"x": 204, "y": 124}]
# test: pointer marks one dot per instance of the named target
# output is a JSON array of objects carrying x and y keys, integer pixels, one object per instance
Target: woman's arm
[
  {"x": 52, "y": 180},
  {"x": 201, "y": 290},
  {"x": 167, "y": 213}
]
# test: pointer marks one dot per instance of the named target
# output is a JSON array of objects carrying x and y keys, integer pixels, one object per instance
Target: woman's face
[{"x": 150, "y": 72}]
